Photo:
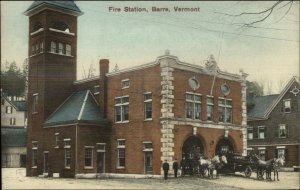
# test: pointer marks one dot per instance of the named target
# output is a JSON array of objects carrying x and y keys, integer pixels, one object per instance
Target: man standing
[
  {"x": 175, "y": 167},
  {"x": 166, "y": 169}
]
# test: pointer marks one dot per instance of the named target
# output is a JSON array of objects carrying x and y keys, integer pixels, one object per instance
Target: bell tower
[
  {"x": 52, "y": 59},
  {"x": 52, "y": 54}
]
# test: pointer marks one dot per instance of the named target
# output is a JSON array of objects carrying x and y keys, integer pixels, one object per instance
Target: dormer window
[{"x": 53, "y": 47}]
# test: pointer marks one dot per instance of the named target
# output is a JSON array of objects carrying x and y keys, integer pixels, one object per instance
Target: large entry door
[
  {"x": 46, "y": 159},
  {"x": 192, "y": 148},
  {"x": 224, "y": 146},
  {"x": 148, "y": 162},
  {"x": 100, "y": 162}
]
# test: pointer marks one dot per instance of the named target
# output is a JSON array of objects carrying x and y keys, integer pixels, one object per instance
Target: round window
[
  {"x": 194, "y": 84},
  {"x": 225, "y": 89}
]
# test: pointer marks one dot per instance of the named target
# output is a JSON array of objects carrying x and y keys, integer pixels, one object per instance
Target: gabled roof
[
  {"x": 264, "y": 105},
  {"x": 66, "y": 6},
  {"x": 283, "y": 92},
  {"x": 80, "y": 107},
  {"x": 261, "y": 104},
  {"x": 20, "y": 105},
  {"x": 13, "y": 136}
]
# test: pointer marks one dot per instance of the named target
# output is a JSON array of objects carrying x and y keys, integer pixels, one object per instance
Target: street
[{"x": 14, "y": 178}]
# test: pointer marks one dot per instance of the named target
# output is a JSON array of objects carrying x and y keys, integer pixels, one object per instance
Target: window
[
  {"x": 261, "y": 132},
  {"x": 67, "y": 148},
  {"x": 249, "y": 150},
  {"x": 35, "y": 103},
  {"x": 286, "y": 106},
  {"x": 12, "y": 121},
  {"x": 250, "y": 132},
  {"x": 210, "y": 108},
  {"x": 280, "y": 153},
  {"x": 262, "y": 153},
  {"x": 53, "y": 47},
  {"x": 122, "y": 109},
  {"x": 37, "y": 47},
  {"x": 9, "y": 109},
  {"x": 56, "y": 140},
  {"x": 41, "y": 47},
  {"x": 125, "y": 83},
  {"x": 88, "y": 157},
  {"x": 193, "y": 106},
  {"x": 96, "y": 89},
  {"x": 148, "y": 146},
  {"x": 101, "y": 147},
  {"x": 32, "y": 49},
  {"x": 68, "y": 50},
  {"x": 148, "y": 105},
  {"x": 282, "y": 131},
  {"x": 60, "y": 48},
  {"x": 2, "y": 101},
  {"x": 121, "y": 153},
  {"x": 34, "y": 154},
  {"x": 225, "y": 110}
]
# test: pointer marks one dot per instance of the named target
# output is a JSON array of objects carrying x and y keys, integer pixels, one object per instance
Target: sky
[{"x": 269, "y": 53}]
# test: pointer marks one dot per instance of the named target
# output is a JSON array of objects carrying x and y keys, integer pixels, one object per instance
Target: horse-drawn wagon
[{"x": 238, "y": 163}]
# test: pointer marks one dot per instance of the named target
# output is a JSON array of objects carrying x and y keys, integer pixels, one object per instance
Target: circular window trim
[
  {"x": 225, "y": 91},
  {"x": 194, "y": 83}
]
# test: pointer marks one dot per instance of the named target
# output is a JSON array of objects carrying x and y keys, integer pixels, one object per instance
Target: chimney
[{"x": 104, "y": 68}]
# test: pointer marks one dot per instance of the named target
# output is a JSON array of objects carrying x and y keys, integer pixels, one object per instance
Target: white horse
[{"x": 209, "y": 165}]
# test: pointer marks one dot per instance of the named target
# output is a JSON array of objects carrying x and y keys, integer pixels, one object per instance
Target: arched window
[
  {"x": 60, "y": 48},
  {"x": 61, "y": 26},
  {"x": 68, "y": 50},
  {"x": 53, "y": 47}
]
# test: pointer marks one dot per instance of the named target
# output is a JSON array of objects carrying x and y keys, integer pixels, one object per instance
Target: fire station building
[{"x": 123, "y": 121}]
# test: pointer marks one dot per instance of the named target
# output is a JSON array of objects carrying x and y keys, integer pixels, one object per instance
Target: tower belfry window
[
  {"x": 53, "y": 47},
  {"x": 60, "y": 48}
]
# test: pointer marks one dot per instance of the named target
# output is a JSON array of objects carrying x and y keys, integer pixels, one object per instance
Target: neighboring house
[
  {"x": 13, "y": 133},
  {"x": 274, "y": 124},
  {"x": 127, "y": 121}
]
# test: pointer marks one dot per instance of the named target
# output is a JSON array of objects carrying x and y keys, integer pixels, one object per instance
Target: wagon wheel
[{"x": 248, "y": 171}]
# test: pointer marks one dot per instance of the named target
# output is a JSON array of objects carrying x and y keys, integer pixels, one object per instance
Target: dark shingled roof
[
  {"x": 260, "y": 104},
  {"x": 68, "y": 6},
  {"x": 80, "y": 107},
  {"x": 20, "y": 105},
  {"x": 13, "y": 137}
]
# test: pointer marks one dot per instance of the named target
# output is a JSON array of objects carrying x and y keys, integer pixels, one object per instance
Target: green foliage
[
  {"x": 255, "y": 88},
  {"x": 12, "y": 80}
]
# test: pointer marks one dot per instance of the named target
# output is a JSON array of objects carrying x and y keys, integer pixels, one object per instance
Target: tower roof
[{"x": 67, "y": 6}]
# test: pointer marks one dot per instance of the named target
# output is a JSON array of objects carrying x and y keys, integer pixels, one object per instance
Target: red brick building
[{"x": 127, "y": 121}]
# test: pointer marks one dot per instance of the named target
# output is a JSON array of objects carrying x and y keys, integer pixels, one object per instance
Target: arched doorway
[
  {"x": 192, "y": 148},
  {"x": 224, "y": 146}
]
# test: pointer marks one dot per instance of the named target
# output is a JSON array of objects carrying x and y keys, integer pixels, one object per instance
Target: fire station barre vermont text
[{"x": 154, "y": 9}]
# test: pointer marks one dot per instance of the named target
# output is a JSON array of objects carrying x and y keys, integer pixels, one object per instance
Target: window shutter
[
  {"x": 265, "y": 134},
  {"x": 282, "y": 106},
  {"x": 255, "y": 132},
  {"x": 286, "y": 156},
  {"x": 287, "y": 131}
]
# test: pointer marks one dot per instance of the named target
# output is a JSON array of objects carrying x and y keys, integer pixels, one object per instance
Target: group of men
[{"x": 166, "y": 168}]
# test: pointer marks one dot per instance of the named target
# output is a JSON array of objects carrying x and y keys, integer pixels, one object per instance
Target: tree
[
  {"x": 262, "y": 15},
  {"x": 254, "y": 88},
  {"x": 13, "y": 80}
]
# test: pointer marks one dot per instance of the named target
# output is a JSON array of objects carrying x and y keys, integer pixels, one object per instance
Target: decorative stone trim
[
  {"x": 167, "y": 142},
  {"x": 244, "y": 111}
]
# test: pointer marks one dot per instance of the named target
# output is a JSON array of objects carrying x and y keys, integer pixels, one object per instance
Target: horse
[
  {"x": 219, "y": 166},
  {"x": 210, "y": 165},
  {"x": 276, "y": 165},
  {"x": 262, "y": 166}
]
